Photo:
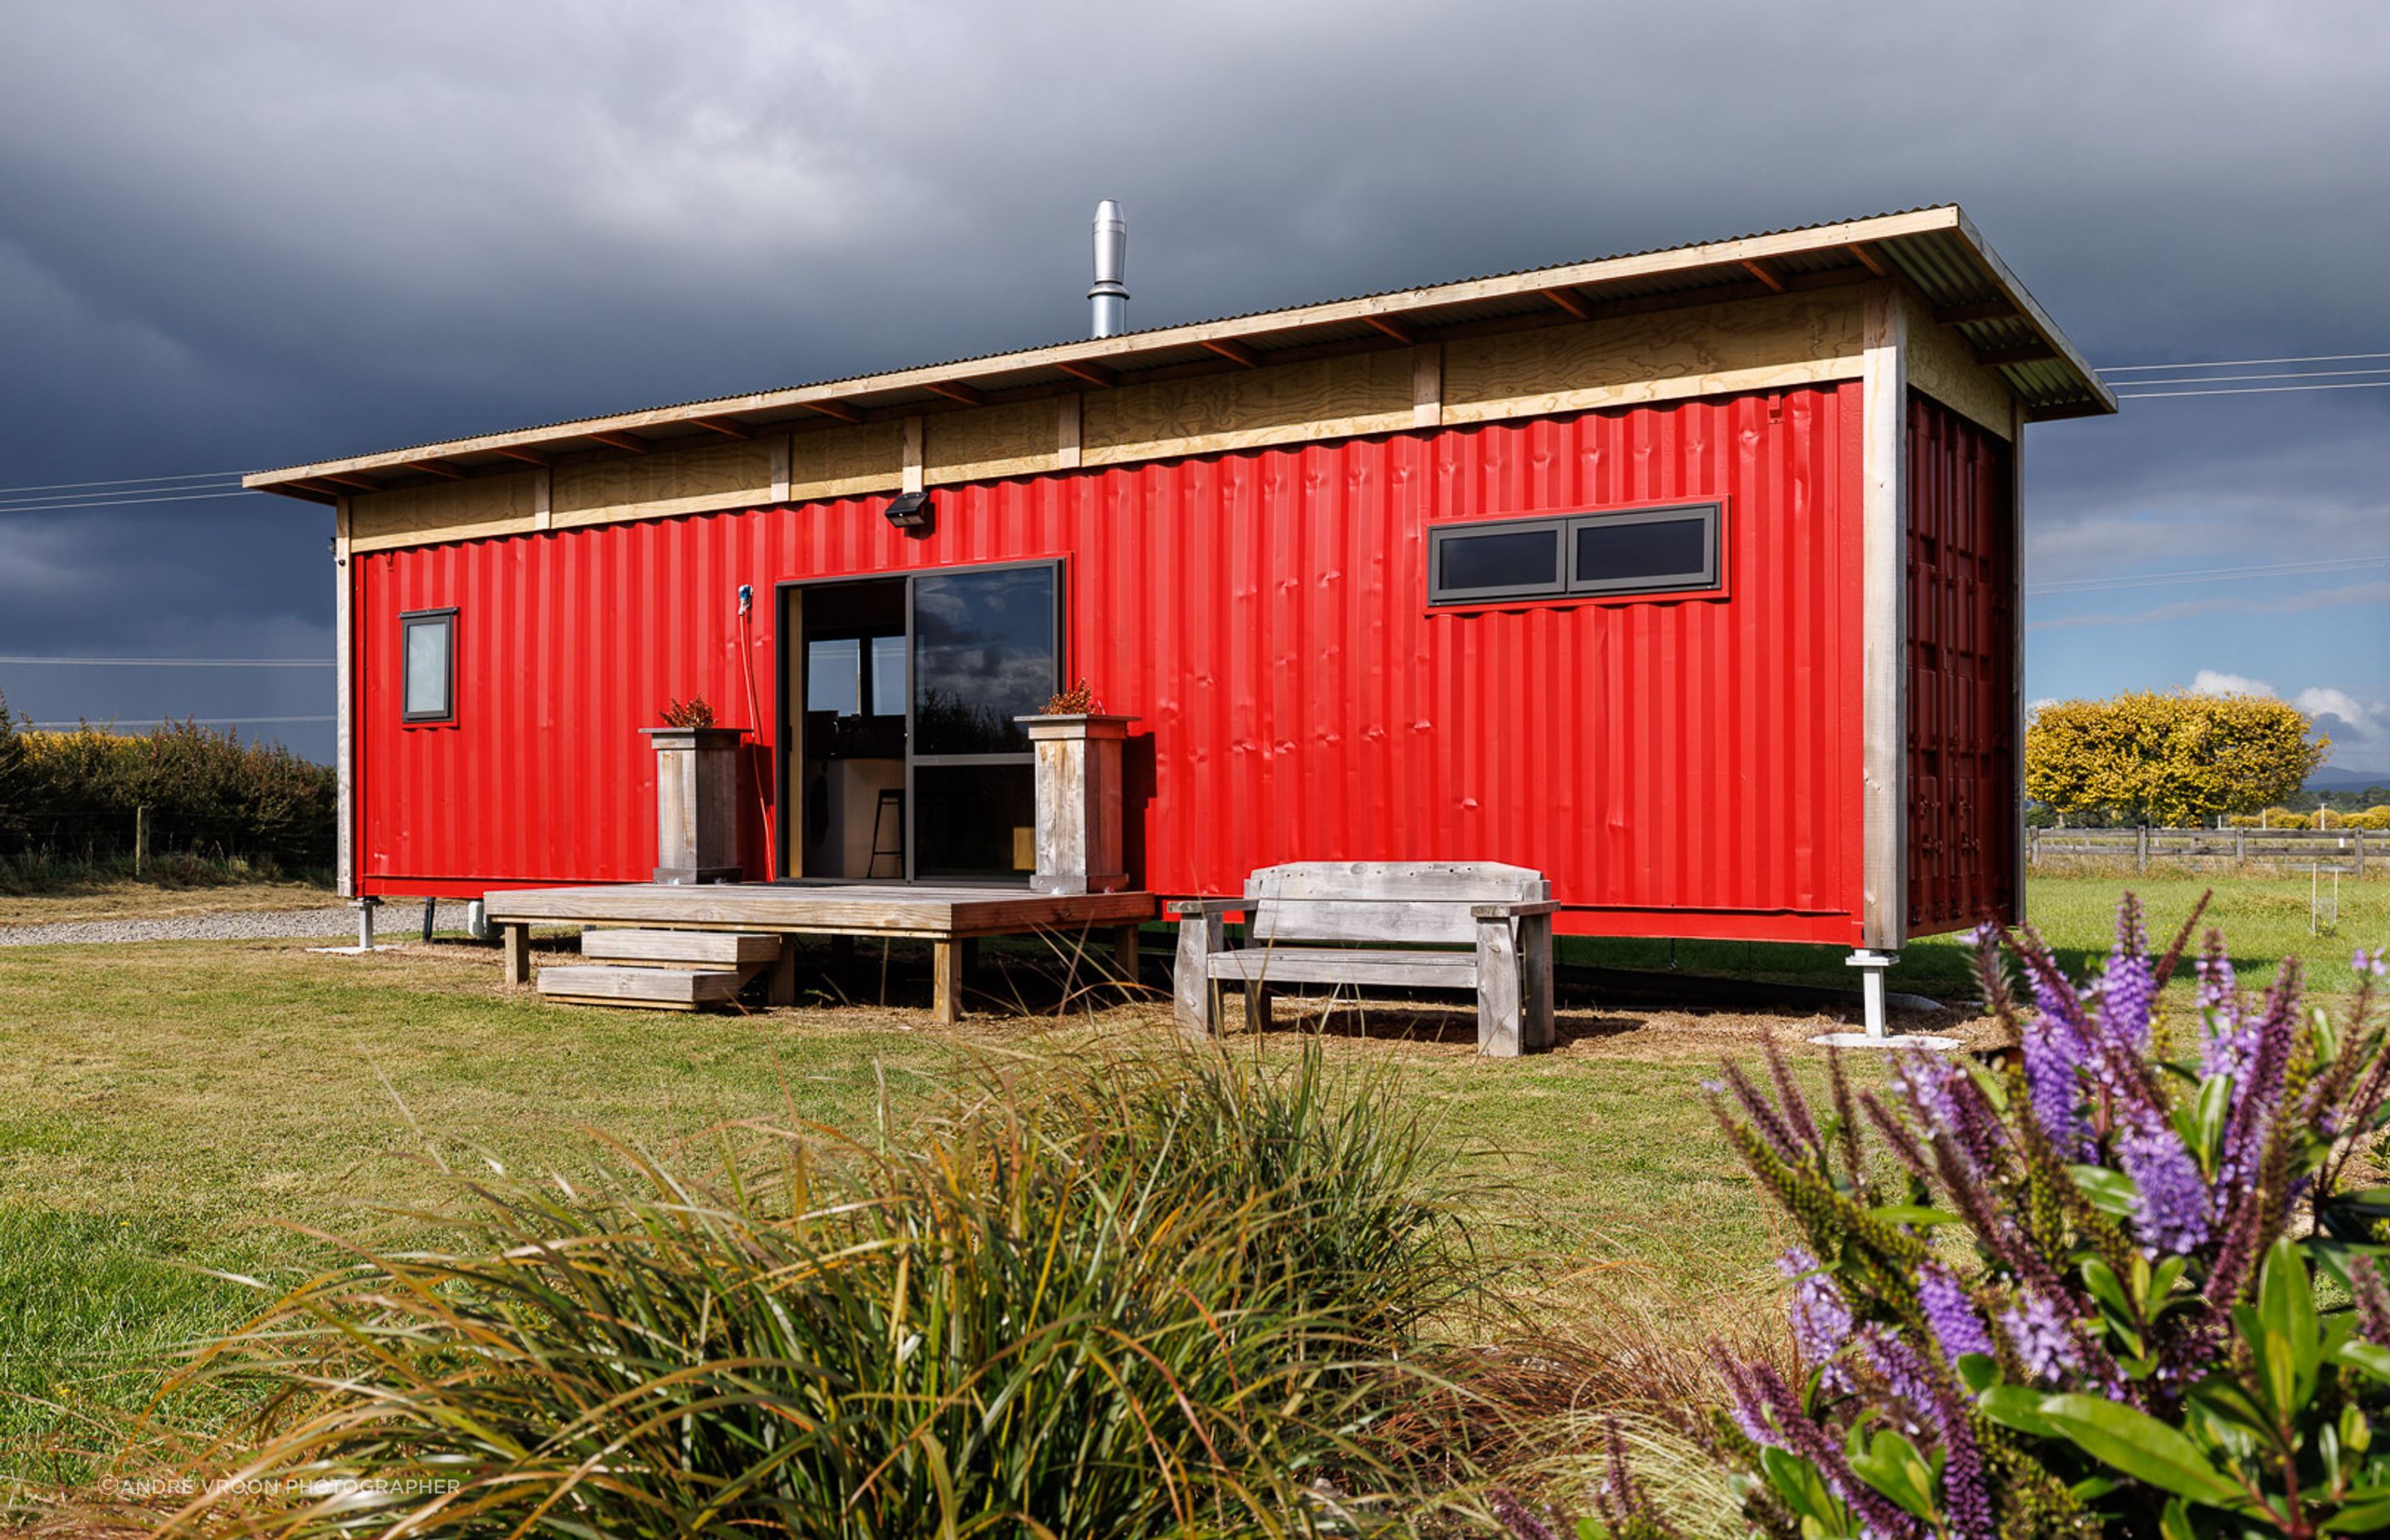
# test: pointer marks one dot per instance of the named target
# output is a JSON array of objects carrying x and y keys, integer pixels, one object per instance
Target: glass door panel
[
  {"x": 983, "y": 653},
  {"x": 986, "y": 648}
]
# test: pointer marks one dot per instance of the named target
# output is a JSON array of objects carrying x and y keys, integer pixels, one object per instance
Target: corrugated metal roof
[{"x": 1933, "y": 247}]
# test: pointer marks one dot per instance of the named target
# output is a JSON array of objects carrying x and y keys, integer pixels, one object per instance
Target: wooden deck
[{"x": 945, "y": 916}]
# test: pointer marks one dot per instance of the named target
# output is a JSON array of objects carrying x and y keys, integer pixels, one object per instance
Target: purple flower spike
[
  {"x": 2172, "y": 1215},
  {"x": 1821, "y": 1317},
  {"x": 1951, "y": 1313},
  {"x": 2129, "y": 988},
  {"x": 2038, "y": 1333},
  {"x": 1904, "y": 1374},
  {"x": 2053, "y": 1077},
  {"x": 1968, "y": 1495}
]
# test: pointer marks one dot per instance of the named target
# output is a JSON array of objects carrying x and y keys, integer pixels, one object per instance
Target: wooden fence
[{"x": 2348, "y": 849}]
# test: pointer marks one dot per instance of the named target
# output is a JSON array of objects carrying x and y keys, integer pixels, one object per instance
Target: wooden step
[
  {"x": 682, "y": 948},
  {"x": 654, "y": 988}
]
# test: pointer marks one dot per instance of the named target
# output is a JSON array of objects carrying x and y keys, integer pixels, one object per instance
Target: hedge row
[
  {"x": 75, "y": 794},
  {"x": 2372, "y": 817}
]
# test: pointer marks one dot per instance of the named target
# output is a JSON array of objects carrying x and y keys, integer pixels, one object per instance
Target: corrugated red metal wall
[
  {"x": 1962, "y": 620},
  {"x": 1681, "y": 768}
]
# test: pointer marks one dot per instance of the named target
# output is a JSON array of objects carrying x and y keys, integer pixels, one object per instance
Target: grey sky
[{"x": 248, "y": 234}]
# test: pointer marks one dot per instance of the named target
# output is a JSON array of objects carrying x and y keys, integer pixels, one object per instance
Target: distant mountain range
[{"x": 2331, "y": 777}]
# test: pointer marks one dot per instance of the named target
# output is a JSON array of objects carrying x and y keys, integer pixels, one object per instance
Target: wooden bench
[{"x": 1397, "y": 923}]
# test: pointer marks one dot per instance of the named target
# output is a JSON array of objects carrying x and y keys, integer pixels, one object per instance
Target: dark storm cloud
[{"x": 250, "y": 235}]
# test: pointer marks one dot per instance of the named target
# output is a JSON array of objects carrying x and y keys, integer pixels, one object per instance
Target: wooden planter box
[
  {"x": 1079, "y": 844},
  {"x": 697, "y": 804}
]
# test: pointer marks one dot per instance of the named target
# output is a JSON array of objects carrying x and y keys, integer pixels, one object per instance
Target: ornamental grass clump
[
  {"x": 2082, "y": 1294},
  {"x": 1151, "y": 1295}
]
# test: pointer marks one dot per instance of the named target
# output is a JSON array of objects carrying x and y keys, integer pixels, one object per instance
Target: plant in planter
[
  {"x": 1078, "y": 700},
  {"x": 2088, "y": 1303},
  {"x": 1078, "y": 835},
  {"x": 697, "y": 795}
]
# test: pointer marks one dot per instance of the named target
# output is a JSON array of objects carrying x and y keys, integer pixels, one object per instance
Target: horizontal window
[
  {"x": 428, "y": 648},
  {"x": 1633, "y": 551}
]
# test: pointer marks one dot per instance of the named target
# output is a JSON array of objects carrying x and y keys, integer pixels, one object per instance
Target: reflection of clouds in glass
[{"x": 984, "y": 646}]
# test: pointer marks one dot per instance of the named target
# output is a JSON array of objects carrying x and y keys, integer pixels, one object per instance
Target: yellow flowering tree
[{"x": 2169, "y": 758}]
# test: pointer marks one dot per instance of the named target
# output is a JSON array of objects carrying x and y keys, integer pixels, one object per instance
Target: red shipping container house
[{"x": 1690, "y": 578}]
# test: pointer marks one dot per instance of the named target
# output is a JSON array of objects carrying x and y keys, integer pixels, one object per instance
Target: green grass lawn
[
  {"x": 2264, "y": 918},
  {"x": 170, "y": 1110}
]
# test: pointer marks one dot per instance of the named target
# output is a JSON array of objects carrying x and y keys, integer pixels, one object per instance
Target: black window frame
[
  {"x": 407, "y": 621},
  {"x": 1563, "y": 529}
]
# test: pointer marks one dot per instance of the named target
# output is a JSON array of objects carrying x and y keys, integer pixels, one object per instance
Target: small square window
[
  {"x": 428, "y": 642},
  {"x": 834, "y": 676},
  {"x": 888, "y": 676}
]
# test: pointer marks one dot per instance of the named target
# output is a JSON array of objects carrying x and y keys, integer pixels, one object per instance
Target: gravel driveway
[{"x": 396, "y": 922}]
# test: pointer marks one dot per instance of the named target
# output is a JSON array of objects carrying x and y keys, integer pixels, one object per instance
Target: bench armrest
[
  {"x": 1514, "y": 911},
  {"x": 1196, "y": 909}
]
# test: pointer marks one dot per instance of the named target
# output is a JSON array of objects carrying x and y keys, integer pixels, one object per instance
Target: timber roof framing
[{"x": 1936, "y": 250}]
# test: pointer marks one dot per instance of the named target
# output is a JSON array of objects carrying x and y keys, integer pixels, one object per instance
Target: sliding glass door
[
  {"x": 906, "y": 764},
  {"x": 986, "y": 648}
]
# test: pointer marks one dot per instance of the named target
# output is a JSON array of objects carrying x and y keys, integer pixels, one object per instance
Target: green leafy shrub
[
  {"x": 2129, "y": 1339},
  {"x": 1140, "y": 1296},
  {"x": 13, "y": 795},
  {"x": 206, "y": 792}
]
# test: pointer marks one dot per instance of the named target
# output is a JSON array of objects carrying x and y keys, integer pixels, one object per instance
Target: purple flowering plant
[{"x": 2076, "y": 1292}]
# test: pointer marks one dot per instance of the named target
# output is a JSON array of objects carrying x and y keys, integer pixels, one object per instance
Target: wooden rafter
[
  {"x": 1870, "y": 258},
  {"x": 629, "y": 443},
  {"x": 724, "y": 427},
  {"x": 437, "y": 468},
  {"x": 1570, "y": 301},
  {"x": 1094, "y": 374},
  {"x": 955, "y": 389},
  {"x": 1392, "y": 327},
  {"x": 528, "y": 457},
  {"x": 837, "y": 409},
  {"x": 1764, "y": 272},
  {"x": 1234, "y": 351},
  {"x": 1977, "y": 309},
  {"x": 356, "y": 483},
  {"x": 2025, "y": 352}
]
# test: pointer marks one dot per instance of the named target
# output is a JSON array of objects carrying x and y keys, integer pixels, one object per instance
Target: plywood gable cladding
[
  {"x": 1325, "y": 398},
  {"x": 1777, "y": 343},
  {"x": 843, "y": 462},
  {"x": 1017, "y": 440},
  {"x": 1706, "y": 350},
  {"x": 451, "y": 511},
  {"x": 731, "y": 474},
  {"x": 1942, "y": 367}
]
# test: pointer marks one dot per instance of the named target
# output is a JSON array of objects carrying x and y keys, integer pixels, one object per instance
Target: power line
[
  {"x": 2254, "y": 390},
  {"x": 173, "y": 663},
  {"x": 2239, "y": 363},
  {"x": 2230, "y": 379},
  {"x": 122, "y": 481},
  {"x": 121, "y": 502},
  {"x": 177, "y": 721},
  {"x": 2207, "y": 575}
]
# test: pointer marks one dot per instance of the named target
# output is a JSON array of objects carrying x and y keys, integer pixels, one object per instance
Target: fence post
[
  {"x": 2141, "y": 849},
  {"x": 140, "y": 840},
  {"x": 2239, "y": 847},
  {"x": 2359, "y": 833},
  {"x": 2031, "y": 846}
]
